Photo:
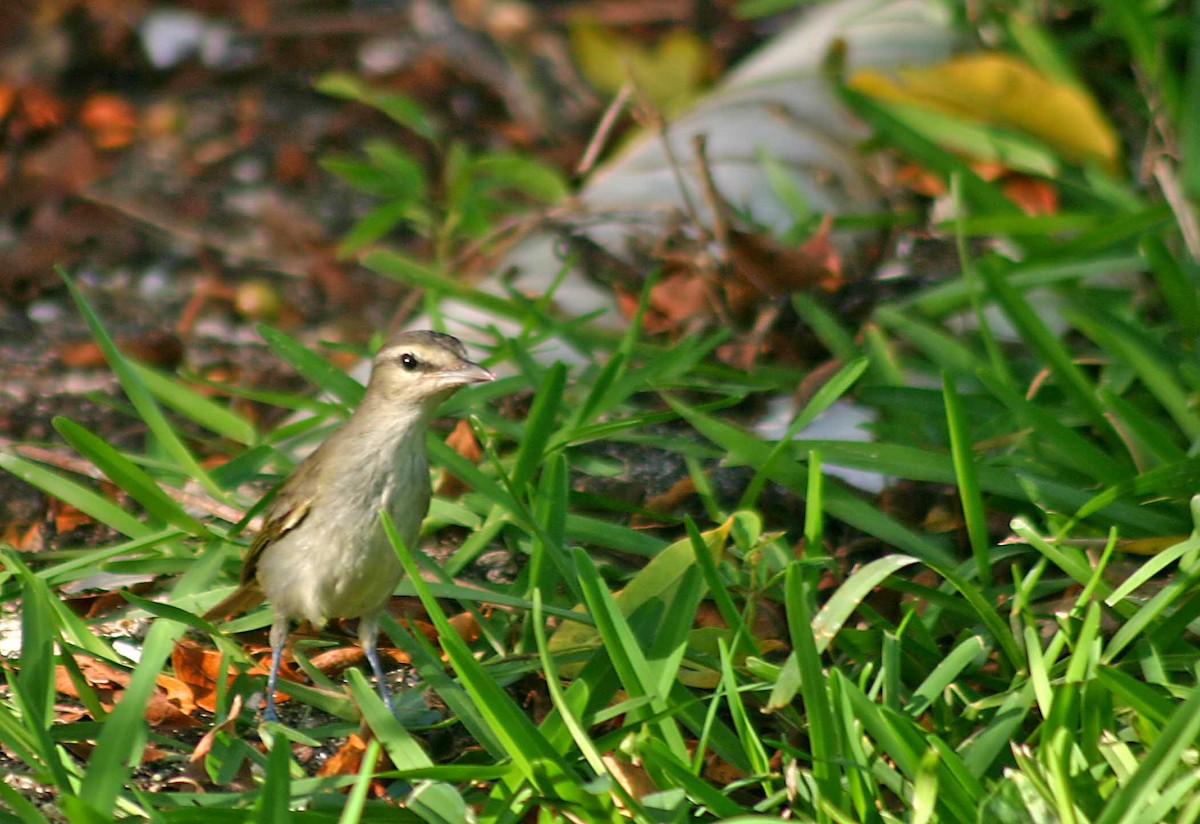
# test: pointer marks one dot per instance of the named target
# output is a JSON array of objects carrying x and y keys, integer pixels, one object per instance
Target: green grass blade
[
  {"x": 1157, "y": 766},
  {"x": 139, "y": 395},
  {"x": 823, "y": 738},
  {"x": 196, "y": 407},
  {"x": 539, "y": 425},
  {"x": 625, "y": 652},
  {"x": 403, "y": 750},
  {"x": 883, "y": 119},
  {"x": 967, "y": 475},
  {"x": 316, "y": 369},
  {"x": 276, "y": 793},
  {"x": 1049, "y": 349},
  {"x": 822, "y": 399},
  {"x": 1151, "y": 363},
  {"x": 850, "y": 595},
  {"x": 945, "y": 673},
  {"x": 356, "y": 801},
  {"x": 90, "y": 503},
  {"x": 119, "y": 748},
  {"x": 523, "y": 742},
  {"x": 129, "y": 477}
]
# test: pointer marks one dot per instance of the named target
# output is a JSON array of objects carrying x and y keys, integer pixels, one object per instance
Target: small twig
[
  {"x": 604, "y": 129},
  {"x": 654, "y": 119},
  {"x": 713, "y": 267},
  {"x": 1185, "y": 213},
  {"x": 716, "y": 204}
]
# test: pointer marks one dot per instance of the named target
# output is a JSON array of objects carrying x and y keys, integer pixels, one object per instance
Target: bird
[{"x": 322, "y": 552}]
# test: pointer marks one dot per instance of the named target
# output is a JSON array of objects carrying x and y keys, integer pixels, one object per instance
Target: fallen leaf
[
  {"x": 669, "y": 73},
  {"x": 466, "y": 626},
  {"x": 665, "y": 503},
  {"x": 1035, "y": 196},
  {"x": 775, "y": 270},
  {"x": 67, "y": 518},
  {"x": 632, "y": 778},
  {"x": 348, "y": 758},
  {"x": 41, "y": 109},
  {"x": 111, "y": 119},
  {"x": 1003, "y": 90},
  {"x": 204, "y": 745},
  {"x": 463, "y": 441},
  {"x": 152, "y": 347}
]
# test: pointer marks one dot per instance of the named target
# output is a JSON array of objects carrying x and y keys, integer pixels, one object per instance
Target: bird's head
[{"x": 421, "y": 369}]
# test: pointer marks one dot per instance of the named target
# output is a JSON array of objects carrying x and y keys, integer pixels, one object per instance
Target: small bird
[{"x": 322, "y": 552}]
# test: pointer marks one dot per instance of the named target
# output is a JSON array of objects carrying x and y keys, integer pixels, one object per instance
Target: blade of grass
[
  {"x": 275, "y": 795},
  {"x": 356, "y": 801},
  {"x": 522, "y": 741},
  {"x": 823, "y": 738},
  {"x": 139, "y": 395},
  {"x": 196, "y": 407},
  {"x": 129, "y": 477},
  {"x": 626, "y": 654},
  {"x": 883, "y": 119},
  {"x": 69, "y": 623},
  {"x": 1156, "y": 767},
  {"x": 822, "y": 399},
  {"x": 1129, "y": 346},
  {"x": 316, "y": 369},
  {"x": 945, "y": 674},
  {"x": 81, "y": 497},
  {"x": 969, "y": 494},
  {"x": 1049, "y": 350},
  {"x": 539, "y": 425}
]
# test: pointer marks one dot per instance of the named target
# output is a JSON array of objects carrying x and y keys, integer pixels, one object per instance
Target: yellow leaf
[
  {"x": 669, "y": 73},
  {"x": 1001, "y": 90},
  {"x": 657, "y": 579}
]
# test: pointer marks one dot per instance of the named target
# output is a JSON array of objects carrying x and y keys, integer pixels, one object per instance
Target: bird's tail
[{"x": 241, "y": 599}]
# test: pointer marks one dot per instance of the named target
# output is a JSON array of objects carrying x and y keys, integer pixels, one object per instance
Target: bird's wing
[{"x": 286, "y": 513}]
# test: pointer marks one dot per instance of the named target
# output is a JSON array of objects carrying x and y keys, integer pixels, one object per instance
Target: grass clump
[{"x": 1006, "y": 635}]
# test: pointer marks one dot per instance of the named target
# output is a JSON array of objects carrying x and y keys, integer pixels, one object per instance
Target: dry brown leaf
[
  {"x": 466, "y": 626},
  {"x": 8, "y": 97},
  {"x": 162, "y": 713},
  {"x": 665, "y": 503},
  {"x": 347, "y": 760},
  {"x": 41, "y": 109},
  {"x": 635, "y": 780},
  {"x": 676, "y": 299},
  {"x": 463, "y": 441},
  {"x": 196, "y": 672},
  {"x": 68, "y": 518},
  {"x": 204, "y": 745},
  {"x": 111, "y": 119},
  {"x": 153, "y": 347},
  {"x": 774, "y": 269},
  {"x": 177, "y": 692},
  {"x": 720, "y": 772},
  {"x": 1034, "y": 195},
  {"x": 105, "y": 680}
]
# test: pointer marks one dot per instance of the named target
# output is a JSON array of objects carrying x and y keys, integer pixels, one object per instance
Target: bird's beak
[{"x": 469, "y": 372}]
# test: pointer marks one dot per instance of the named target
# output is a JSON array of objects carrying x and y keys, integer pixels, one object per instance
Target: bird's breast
[{"x": 339, "y": 561}]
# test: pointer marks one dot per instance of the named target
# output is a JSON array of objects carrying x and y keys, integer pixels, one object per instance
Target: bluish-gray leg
[
  {"x": 368, "y": 636},
  {"x": 279, "y": 633}
]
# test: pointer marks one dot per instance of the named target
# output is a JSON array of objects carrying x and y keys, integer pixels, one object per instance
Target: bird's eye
[{"x": 409, "y": 362}]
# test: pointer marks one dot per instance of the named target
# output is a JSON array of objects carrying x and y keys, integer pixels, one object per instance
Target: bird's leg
[
  {"x": 368, "y": 636},
  {"x": 279, "y": 633}
]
